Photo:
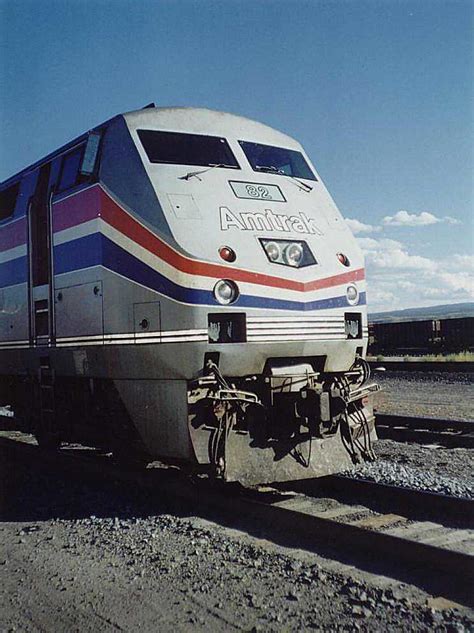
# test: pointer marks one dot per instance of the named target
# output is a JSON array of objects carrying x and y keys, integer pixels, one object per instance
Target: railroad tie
[
  {"x": 453, "y": 537},
  {"x": 379, "y": 521},
  {"x": 414, "y": 531}
]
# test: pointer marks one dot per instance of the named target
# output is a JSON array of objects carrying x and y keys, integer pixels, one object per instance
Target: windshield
[
  {"x": 187, "y": 149},
  {"x": 277, "y": 159}
]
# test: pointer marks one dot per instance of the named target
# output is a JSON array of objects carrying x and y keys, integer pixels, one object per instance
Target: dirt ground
[
  {"x": 84, "y": 554},
  {"x": 433, "y": 394},
  {"x": 80, "y": 553}
]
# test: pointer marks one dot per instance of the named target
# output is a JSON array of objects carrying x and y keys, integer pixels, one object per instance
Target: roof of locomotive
[
  {"x": 179, "y": 119},
  {"x": 205, "y": 121}
]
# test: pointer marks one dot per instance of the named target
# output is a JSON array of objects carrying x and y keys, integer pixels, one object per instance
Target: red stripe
[
  {"x": 93, "y": 202},
  {"x": 114, "y": 215}
]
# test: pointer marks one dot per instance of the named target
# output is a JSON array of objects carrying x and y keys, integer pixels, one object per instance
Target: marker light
[
  {"x": 227, "y": 254},
  {"x": 293, "y": 254},
  {"x": 352, "y": 295},
  {"x": 226, "y": 292},
  {"x": 273, "y": 251},
  {"x": 343, "y": 259}
]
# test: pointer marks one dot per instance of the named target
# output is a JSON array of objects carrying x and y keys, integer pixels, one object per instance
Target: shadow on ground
[{"x": 32, "y": 491}]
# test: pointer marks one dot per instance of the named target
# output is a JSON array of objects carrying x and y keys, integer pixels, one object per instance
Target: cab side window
[
  {"x": 70, "y": 175},
  {"x": 80, "y": 164},
  {"x": 8, "y": 200}
]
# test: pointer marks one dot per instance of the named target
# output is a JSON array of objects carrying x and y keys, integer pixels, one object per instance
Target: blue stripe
[
  {"x": 122, "y": 262},
  {"x": 96, "y": 249},
  {"x": 14, "y": 272},
  {"x": 77, "y": 254},
  {"x": 249, "y": 301}
]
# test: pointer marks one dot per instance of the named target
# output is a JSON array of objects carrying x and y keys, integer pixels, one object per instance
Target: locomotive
[{"x": 178, "y": 284}]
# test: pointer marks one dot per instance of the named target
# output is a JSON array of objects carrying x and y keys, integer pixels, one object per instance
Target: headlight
[
  {"x": 352, "y": 295},
  {"x": 226, "y": 292},
  {"x": 293, "y": 254},
  {"x": 273, "y": 251}
]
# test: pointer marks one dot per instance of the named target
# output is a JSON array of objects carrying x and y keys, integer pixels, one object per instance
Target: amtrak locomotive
[{"x": 178, "y": 284}]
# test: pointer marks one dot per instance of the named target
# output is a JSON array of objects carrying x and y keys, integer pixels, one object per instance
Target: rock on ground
[
  {"x": 434, "y": 468},
  {"x": 81, "y": 554},
  {"x": 429, "y": 394}
]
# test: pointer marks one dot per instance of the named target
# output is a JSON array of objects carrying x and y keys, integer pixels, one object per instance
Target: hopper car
[{"x": 428, "y": 336}]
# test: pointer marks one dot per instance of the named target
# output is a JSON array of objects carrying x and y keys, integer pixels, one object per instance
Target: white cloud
[
  {"x": 460, "y": 282},
  {"x": 462, "y": 263},
  {"x": 403, "y": 218},
  {"x": 379, "y": 297},
  {"x": 400, "y": 259},
  {"x": 373, "y": 244},
  {"x": 359, "y": 227},
  {"x": 397, "y": 279},
  {"x": 368, "y": 243},
  {"x": 386, "y": 253}
]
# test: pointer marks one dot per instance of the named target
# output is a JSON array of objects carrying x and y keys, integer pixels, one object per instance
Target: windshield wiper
[
  {"x": 271, "y": 169},
  {"x": 196, "y": 174}
]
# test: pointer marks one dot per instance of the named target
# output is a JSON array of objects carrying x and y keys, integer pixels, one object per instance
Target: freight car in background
[{"x": 422, "y": 337}]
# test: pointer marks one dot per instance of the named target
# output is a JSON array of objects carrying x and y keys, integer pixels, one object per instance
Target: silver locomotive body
[{"x": 178, "y": 284}]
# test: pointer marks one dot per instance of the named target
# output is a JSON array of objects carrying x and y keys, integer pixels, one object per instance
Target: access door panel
[
  {"x": 147, "y": 321},
  {"x": 79, "y": 312}
]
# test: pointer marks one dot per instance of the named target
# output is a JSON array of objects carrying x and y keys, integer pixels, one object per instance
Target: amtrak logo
[
  {"x": 268, "y": 221},
  {"x": 217, "y": 331},
  {"x": 352, "y": 328}
]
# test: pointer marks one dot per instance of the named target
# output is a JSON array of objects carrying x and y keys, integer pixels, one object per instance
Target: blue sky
[{"x": 379, "y": 93}]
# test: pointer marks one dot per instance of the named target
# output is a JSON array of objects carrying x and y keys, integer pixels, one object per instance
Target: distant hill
[{"x": 451, "y": 311}]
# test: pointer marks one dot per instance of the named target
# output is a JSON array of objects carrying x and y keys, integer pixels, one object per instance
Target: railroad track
[
  {"x": 413, "y": 504},
  {"x": 449, "y": 433},
  {"x": 423, "y": 366},
  {"x": 335, "y": 516}
]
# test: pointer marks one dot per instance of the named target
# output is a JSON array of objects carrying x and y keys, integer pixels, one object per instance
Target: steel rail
[
  {"x": 277, "y": 513},
  {"x": 409, "y": 501},
  {"x": 451, "y": 433},
  {"x": 423, "y": 366}
]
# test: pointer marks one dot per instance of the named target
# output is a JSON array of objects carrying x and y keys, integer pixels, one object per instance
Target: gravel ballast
[
  {"x": 83, "y": 554},
  {"x": 433, "y": 468},
  {"x": 426, "y": 394}
]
